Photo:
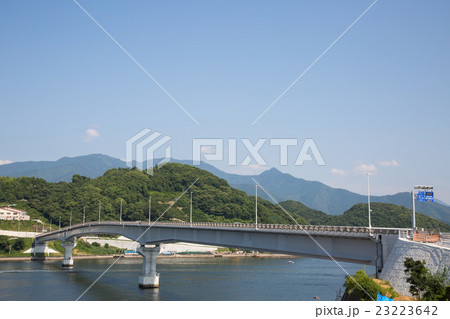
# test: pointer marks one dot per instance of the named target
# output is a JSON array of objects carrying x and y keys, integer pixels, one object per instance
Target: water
[{"x": 240, "y": 278}]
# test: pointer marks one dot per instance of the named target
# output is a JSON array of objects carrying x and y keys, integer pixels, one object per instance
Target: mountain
[
  {"x": 91, "y": 166},
  {"x": 319, "y": 196},
  {"x": 334, "y": 201},
  {"x": 280, "y": 185},
  {"x": 214, "y": 200},
  {"x": 383, "y": 215}
]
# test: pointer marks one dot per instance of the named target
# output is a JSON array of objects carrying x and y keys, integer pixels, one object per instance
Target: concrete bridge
[{"x": 362, "y": 245}]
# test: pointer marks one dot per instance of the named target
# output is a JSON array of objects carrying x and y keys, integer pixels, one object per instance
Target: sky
[{"x": 377, "y": 101}]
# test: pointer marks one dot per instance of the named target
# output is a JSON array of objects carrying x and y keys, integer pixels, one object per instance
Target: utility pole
[
  {"x": 70, "y": 220},
  {"x": 120, "y": 216},
  {"x": 256, "y": 206},
  {"x": 190, "y": 219},
  {"x": 84, "y": 214},
  {"x": 59, "y": 221},
  {"x": 368, "y": 198},
  {"x": 50, "y": 224},
  {"x": 99, "y": 210},
  {"x": 149, "y": 209},
  {"x": 413, "y": 211}
]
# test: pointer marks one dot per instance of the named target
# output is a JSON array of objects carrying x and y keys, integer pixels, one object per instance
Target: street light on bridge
[
  {"x": 190, "y": 216},
  {"x": 149, "y": 209},
  {"x": 256, "y": 207},
  {"x": 120, "y": 214},
  {"x": 368, "y": 198}
]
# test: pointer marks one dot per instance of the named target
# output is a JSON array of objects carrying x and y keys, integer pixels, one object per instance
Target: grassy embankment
[
  {"x": 24, "y": 225},
  {"x": 364, "y": 288},
  {"x": 10, "y": 248}
]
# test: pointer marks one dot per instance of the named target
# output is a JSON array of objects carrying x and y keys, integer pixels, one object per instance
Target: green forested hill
[
  {"x": 214, "y": 198},
  {"x": 383, "y": 215}
]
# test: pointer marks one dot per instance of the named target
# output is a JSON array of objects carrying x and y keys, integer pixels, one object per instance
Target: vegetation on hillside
[
  {"x": 427, "y": 285},
  {"x": 383, "y": 215},
  {"x": 85, "y": 248},
  {"x": 12, "y": 247},
  {"x": 214, "y": 199},
  {"x": 361, "y": 287}
]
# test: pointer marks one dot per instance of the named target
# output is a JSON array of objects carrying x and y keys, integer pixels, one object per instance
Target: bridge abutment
[
  {"x": 67, "y": 262},
  {"x": 149, "y": 277}
]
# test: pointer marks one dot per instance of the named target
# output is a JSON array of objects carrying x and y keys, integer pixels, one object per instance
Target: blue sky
[{"x": 377, "y": 101}]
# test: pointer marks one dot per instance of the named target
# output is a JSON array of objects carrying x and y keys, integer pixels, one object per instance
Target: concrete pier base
[
  {"x": 149, "y": 277},
  {"x": 67, "y": 262}
]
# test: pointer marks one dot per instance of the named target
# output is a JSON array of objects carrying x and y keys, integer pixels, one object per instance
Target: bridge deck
[{"x": 347, "y": 231}]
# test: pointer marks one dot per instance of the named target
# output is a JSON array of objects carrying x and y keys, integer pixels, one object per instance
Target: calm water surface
[{"x": 242, "y": 278}]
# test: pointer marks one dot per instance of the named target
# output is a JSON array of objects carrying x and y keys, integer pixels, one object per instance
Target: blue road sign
[{"x": 425, "y": 196}]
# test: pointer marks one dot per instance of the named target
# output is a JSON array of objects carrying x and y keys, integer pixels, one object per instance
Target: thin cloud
[
  {"x": 208, "y": 150},
  {"x": 4, "y": 162},
  {"x": 91, "y": 134},
  {"x": 389, "y": 163},
  {"x": 339, "y": 172},
  {"x": 365, "y": 168}
]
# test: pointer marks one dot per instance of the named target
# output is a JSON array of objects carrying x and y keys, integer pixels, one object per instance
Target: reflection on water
[{"x": 240, "y": 278}]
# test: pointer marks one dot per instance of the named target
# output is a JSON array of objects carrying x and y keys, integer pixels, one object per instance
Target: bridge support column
[
  {"x": 40, "y": 248},
  {"x": 149, "y": 277},
  {"x": 68, "y": 260}
]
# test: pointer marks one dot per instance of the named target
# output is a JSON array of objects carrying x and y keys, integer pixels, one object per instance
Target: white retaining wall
[
  {"x": 436, "y": 257},
  {"x": 127, "y": 244}
]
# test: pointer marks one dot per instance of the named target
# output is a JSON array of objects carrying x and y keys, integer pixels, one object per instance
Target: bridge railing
[
  {"x": 307, "y": 228},
  {"x": 445, "y": 239}
]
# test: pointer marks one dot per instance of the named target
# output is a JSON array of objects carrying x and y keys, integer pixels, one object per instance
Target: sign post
[{"x": 424, "y": 194}]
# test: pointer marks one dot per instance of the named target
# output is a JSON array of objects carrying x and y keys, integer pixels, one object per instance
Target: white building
[{"x": 8, "y": 213}]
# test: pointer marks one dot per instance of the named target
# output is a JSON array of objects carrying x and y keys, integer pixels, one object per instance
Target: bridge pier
[
  {"x": 68, "y": 260},
  {"x": 40, "y": 248},
  {"x": 149, "y": 277}
]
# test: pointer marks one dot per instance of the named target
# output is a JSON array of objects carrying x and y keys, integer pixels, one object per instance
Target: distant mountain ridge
[
  {"x": 62, "y": 170},
  {"x": 282, "y": 186}
]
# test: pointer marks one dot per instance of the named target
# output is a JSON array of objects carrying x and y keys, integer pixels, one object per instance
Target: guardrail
[
  {"x": 426, "y": 238},
  {"x": 307, "y": 228},
  {"x": 442, "y": 239},
  {"x": 405, "y": 233},
  {"x": 445, "y": 239}
]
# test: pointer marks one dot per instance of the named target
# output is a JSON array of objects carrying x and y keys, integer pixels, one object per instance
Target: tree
[
  {"x": 436, "y": 285},
  {"x": 3, "y": 243},
  {"x": 361, "y": 287},
  {"x": 417, "y": 272},
  {"x": 19, "y": 245},
  {"x": 424, "y": 284}
]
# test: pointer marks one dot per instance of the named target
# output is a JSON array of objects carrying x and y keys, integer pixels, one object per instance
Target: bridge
[{"x": 362, "y": 245}]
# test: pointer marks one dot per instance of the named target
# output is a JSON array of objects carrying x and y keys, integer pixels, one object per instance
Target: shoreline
[{"x": 31, "y": 258}]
